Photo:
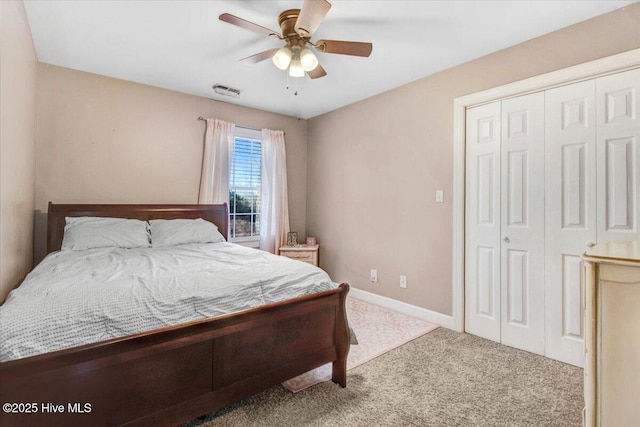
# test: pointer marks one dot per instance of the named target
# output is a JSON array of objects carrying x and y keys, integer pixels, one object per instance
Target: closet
[{"x": 548, "y": 175}]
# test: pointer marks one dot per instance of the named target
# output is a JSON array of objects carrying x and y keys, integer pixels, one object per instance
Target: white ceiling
[{"x": 182, "y": 46}]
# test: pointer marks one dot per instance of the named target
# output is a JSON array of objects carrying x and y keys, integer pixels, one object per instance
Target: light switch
[{"x": 439, "y": 196}]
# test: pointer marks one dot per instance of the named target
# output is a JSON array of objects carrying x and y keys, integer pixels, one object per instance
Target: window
[{"x": 244, "y": 187}]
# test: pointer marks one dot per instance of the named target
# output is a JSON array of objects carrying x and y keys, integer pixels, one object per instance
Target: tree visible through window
[{"x": 244, "y": 186}]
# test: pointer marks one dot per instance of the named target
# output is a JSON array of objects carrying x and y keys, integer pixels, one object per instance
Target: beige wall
[
  {"x": 104, "y": 140},
  {"x": 374, "y": 166},
  {"x": 18, "y": 68}
]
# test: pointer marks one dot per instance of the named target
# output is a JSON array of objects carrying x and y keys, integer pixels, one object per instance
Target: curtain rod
[{"x": 243, "y": 127}]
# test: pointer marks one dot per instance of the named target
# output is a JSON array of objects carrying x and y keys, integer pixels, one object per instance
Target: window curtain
[
  {"x": 216, "y": 161},
  {"x": 274, "y": 212}
]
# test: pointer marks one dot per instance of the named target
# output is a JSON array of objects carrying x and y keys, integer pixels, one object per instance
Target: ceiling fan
[{"x": 298, "y": 26}]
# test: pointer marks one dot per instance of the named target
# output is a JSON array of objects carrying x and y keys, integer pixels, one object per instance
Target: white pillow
[
  {"x": 171, "y": 232},
  {"x": 96, "y": 232}
]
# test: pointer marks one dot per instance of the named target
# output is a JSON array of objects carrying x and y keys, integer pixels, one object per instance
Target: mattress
[{"x": 80, "y": 297}]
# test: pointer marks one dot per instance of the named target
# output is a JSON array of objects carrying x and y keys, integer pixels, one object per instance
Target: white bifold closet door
[
  {"x": 504, "y": 272},
  {"x": 592, "y": 185},
  {"x": 570, "y": 214},
  {"x": 482, "y": 222},
  {"x": 522, "y": 238},
  {"x": 618, "y": 156}
]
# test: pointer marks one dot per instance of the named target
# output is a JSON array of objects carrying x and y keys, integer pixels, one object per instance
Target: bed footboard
[{"x": 175, "y": 374}]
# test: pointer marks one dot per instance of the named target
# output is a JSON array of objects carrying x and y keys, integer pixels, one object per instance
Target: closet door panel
[
  {"x": 522, "y": 248},
  {"x": 570, "y": 214},
  {"x": 618, "y": 156},
  {"x": 482, "y": 222}
]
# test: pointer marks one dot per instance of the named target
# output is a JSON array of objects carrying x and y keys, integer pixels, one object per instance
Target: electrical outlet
[
  {"x": 403, "y": 281},
  {"x": 374, "y": 275}
]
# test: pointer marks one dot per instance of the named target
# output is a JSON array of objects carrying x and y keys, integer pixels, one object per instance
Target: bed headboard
[{"x": 217, "y": 214}]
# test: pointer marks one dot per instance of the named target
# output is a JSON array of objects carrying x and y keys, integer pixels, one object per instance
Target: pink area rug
[{"x": 378, "y": 329}]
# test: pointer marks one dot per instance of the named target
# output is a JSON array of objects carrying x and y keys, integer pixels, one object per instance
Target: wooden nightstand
[{"x": 301, "y": 253}]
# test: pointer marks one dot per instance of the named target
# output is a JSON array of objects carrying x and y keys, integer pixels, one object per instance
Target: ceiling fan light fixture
[
  {"x": 295, "y": 69},
  {"x": 308, "y": 60},
  {"x": 282, "y": 58}
]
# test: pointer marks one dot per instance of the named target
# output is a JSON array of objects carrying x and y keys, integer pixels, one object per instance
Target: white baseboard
[{"x": 434, "y": 317}]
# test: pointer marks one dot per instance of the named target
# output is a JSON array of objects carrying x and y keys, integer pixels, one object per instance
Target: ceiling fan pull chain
[{"x": 291, "y": 86}]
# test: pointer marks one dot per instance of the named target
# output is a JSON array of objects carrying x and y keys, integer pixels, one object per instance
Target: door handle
[
  {"x": 590, "y": 244},
  {"x": 506, "y": 239}
]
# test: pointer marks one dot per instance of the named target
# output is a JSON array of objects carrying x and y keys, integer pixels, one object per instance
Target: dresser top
[{"x": 622, "y": 251}]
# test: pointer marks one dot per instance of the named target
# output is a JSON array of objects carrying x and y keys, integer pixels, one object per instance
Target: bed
[{"x": 173, "y": 374}]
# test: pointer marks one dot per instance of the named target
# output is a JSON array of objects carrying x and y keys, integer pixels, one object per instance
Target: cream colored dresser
[
  {"x": 302, "y": 253},
  {"x": 612, "y": 335}
]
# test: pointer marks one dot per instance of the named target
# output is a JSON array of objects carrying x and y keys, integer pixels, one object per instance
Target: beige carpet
[
  {"x": 440, "y": 379},
  {"x": 378, "y": 331}
]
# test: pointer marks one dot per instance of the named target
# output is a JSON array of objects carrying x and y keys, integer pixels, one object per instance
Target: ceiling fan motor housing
[{"x": 287, "y": 21}]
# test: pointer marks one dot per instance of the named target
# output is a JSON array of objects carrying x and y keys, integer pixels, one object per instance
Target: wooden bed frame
[{"x": 174, "y": 374}]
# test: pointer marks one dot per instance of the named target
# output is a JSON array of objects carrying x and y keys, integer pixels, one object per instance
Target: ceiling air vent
[{"x": 226, "y": 91}]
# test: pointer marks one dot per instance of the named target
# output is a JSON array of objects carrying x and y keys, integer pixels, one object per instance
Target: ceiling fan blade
[
  {"x": 317, "y": 72},
  {"x": 247, "y": 25},
  {"x": 344, "y": 48},
  {"x": 259, "y": 57},
  {"x": 311, "y": 15}
]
